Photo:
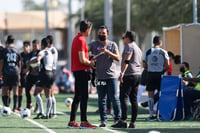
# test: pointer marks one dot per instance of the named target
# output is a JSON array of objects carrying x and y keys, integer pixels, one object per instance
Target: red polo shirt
[{"x": 78, "y": 44}]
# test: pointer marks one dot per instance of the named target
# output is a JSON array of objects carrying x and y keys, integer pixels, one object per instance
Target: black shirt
[{"x": 11, "y": 61}]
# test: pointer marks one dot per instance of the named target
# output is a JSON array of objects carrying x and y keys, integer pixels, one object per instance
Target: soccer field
[{"x": 15, "y": 124}]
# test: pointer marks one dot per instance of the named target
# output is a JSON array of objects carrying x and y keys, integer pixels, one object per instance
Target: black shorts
[
  {"x": 46, "y": 79},
  {"x": 153, "y": 81},
  {"x": 54, "y": 75},
  {"x": 143, "y": 80},
  {"x": 10, "y": 80},
  {"x": 31, "y": 80}
]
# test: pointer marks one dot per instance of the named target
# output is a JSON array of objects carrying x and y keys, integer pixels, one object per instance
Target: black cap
[{"x": 130, "y": 35}]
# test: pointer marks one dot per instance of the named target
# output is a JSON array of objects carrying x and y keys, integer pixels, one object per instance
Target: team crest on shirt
[{"x": 154, "y": 59}]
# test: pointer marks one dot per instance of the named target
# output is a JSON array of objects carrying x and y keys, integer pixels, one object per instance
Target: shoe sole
[
  {"x": 71, "y": 127},
  {"x": 87, "y": 127}
]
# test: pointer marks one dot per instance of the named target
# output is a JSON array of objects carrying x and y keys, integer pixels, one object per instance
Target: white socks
[
  {"x": 48, "y": 105},
  {"x": 53, "y": 108},
  {"x": 40, "y": 103},
  {"x": 141, "y": 88},
  {"x": 151, "y": 104}
]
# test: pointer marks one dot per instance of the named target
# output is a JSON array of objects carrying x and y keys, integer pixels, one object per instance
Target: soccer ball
[
  {"x": 68, "y": 102},
  {"x": 5, "y": 111},
  {"x": 154, "y": 131},
  {"x": 24, "y": 113},
  {"x": 34, "y": 64}
]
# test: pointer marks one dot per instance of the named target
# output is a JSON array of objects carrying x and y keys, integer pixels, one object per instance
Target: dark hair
[
  {"x": 84, "y": 25},
  {"x": 130, "y": 35},
  {"x": 186, "y": 64},
  {"x": 50, "y": 37},
  {"x": 177, "y": 59},
  {"x": 171, "y": 54},
  {"x": 45, "y": 42},
  {"x": 156, "y": 40},
  {"x": 104, "y": 27},
  {"x": 10, "y": 39},
  {"x": 35, "y": 41},
  {"x": 26, "y": 43}
]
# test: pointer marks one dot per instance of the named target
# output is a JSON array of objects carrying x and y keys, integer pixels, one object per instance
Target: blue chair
[{"x": 171, "y": 104}]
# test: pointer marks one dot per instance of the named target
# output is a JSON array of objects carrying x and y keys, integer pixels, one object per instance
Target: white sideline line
[
  {"x": 37, "y": 124},
  {"x": 40, "y": 125},
  {"x": 110, "y": 130},
  {"x": 51, "y": 131}
]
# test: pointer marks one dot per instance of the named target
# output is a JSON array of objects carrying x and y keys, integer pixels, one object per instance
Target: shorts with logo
[
  {"x": 153, "y": 81},
  {"x": 46, "y": 79}
]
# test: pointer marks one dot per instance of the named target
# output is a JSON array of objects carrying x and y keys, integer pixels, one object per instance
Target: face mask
[{"x": 102, "y": 37}]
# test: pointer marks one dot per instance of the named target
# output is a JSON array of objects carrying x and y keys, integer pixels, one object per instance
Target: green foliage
[
  {"x": 31, "y": 5},
  {"x": 146, "y": 15}
]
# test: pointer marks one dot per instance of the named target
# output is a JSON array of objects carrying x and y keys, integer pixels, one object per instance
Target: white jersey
[
  {"x": 155, "y": 58},
  {"x": 47, "y": 60},
  {"x": 54, "y": 52}
]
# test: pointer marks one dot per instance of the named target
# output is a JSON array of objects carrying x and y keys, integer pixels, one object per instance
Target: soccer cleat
[
  {"x": 15, "y": 110},
  {"x": 144, "y": 104},
  {"x": 52, "y": 116},
  {"x": 73, "y": 124},
  {"x": 131, "y": 125},
  {"x": 44, "y": 117},
  {"x": 103, "y": 124},
  {"x": 19, "y": 109},
  {"x": 86, "y": 124},
  {"x": 39, "y": 116},
  {"x": 152, "y": 118},
  {"x": 119, "y": 124}
]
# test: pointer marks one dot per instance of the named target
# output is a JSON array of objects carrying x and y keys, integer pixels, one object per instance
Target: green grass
[{"x": 14, "y": 124}]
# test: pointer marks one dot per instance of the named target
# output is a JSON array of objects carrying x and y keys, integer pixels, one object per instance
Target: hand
[
  {"x": 104, "y": 50},
  {"x": 121, "y": 77},
  {"x": 92, "y": 63},
  {"x": 185, "y": 82}
]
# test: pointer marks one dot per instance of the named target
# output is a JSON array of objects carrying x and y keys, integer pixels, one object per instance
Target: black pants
[
  {"x": 128, "y": 89},
  {"x": 81, "y": 95},
  {"x": 30, "y": 81}
]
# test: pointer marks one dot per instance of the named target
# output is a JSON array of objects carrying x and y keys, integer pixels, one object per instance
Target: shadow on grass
[{"x": 163, "y": 130}]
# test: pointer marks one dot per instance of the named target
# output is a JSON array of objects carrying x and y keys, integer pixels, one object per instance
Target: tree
[
  {"x": 146, "y": 15},
  {"x": 32, "y": 5}
]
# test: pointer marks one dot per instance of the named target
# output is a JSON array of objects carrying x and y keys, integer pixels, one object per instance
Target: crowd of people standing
[{"x": 20, "y": 71}]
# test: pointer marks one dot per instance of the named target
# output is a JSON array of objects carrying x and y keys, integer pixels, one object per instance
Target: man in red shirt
[{"x": 80, "y": 65}]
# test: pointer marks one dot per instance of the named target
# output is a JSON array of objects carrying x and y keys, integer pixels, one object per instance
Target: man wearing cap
[
  {"x": 10, "y": 69},
  {"x": 129, "y": 78},
  {"x": 156, "y": 61}
]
